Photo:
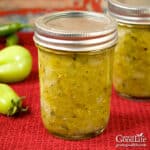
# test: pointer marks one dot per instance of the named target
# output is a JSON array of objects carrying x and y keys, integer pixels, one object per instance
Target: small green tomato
[
  {"x": 15, "y": 64},
  {"x": 10, "y": 102}
]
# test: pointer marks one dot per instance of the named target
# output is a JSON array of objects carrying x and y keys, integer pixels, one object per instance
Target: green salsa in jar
[
  {"x": 131, "y": 74},
  {"x": 75, "y": 69},
  {"x": 132, "y": 62}
]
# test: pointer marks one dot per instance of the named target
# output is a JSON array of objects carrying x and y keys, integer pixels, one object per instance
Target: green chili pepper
[
  {"x": 12, "y": 40},
  {"x": 10, "y": 102},
  {"x": 11, "y": 28}
]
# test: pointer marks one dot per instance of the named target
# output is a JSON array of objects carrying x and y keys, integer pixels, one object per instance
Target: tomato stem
[{"x": 16, "y": 106}]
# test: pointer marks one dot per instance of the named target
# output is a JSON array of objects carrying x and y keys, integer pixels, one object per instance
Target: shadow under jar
[
  {"x": 75, "y": 53},
  {"x": 131, "y": 74}
]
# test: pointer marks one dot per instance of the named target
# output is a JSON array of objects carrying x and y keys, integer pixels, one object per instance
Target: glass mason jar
[
  {"x": 75, "y": 53},
  {"x": 131, "y": 75}
]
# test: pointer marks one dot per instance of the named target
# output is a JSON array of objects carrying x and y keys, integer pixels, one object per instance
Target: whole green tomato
[
  {"x": 15, "y": 64},
  {"x": 10, "y": 102}
]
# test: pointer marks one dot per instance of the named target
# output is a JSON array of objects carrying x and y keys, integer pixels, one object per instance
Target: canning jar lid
[
  {"x": 75, "y": 31},
  {"x": 130, "y": 11}
]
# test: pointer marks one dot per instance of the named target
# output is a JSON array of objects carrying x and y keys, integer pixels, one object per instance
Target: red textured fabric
[{"x": 26, "y": 132}]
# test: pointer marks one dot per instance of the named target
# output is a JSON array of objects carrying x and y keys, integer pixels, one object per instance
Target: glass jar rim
[
  {"x": 130, "y": 11},
  {"x": 60, "y": 30}
]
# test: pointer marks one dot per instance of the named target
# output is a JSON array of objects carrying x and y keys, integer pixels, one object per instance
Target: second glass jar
[{"x": 131, "y": 74}]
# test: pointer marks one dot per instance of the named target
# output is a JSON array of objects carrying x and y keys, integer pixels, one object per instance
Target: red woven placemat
[{"x": 26, "y": 132}]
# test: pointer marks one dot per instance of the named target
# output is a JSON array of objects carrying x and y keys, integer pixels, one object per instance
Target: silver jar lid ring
[
  {"x": 75, "y": 31},
  {"x": 130, "y": 11}
]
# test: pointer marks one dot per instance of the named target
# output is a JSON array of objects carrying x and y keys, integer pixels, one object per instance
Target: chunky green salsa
[
  {"x": 75, "y": 92},
  {"x": 131, "y": 75}
]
